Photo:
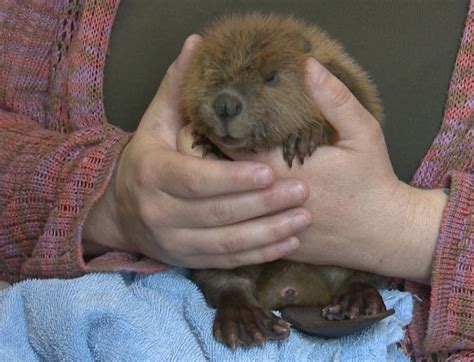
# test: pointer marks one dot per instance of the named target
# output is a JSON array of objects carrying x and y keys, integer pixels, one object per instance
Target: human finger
[
  {"x": 265, "y": 254},
  {"x": 192, "y": 177},
  {"x": 338, "y": 105},
  {"x": 232, "y": 209},
  {"x": 248, "y": 235}
]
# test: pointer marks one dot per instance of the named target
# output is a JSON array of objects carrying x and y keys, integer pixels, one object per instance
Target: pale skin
[
  {"x": 187, "y": 211},
  {"x": 210, "y": 213}
]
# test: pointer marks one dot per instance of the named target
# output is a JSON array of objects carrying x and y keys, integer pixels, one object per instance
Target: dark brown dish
[{"x": 309, "y": 320}]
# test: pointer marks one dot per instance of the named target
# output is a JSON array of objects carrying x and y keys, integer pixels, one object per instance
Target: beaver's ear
[{"x": 302, "y": 42}]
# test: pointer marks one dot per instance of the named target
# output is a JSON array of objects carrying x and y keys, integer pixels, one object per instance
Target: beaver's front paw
[
  {"x": 360, "y": 300},
  {"x": 238, "y": 321},
  {"x": 207, "y": 146},
  {"x": 304, "y": 143}
]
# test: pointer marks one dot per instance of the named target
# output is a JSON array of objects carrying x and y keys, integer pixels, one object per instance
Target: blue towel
[{"x": 161, "y": 317}]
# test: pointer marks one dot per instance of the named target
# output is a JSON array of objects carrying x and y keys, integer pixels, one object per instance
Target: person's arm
[{"x": 48, "y": 182}]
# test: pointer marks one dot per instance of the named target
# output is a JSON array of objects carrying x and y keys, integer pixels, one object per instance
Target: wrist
[
  {"x": 101, "y": 231},
  {"x": 412, "y": 222}
]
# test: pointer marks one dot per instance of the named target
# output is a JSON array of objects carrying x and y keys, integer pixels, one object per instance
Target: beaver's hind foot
[{"x": 359, "y": 300}]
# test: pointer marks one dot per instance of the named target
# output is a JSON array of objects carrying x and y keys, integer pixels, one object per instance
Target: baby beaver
[{"x": 246, "y": 90}]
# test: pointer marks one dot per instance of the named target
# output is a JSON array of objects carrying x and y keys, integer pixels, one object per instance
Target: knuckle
[
  {"x": 147, "y": 212},
  {"x": 340, "y": 95},
  {"x": 193, "y": 183},
  {"x": 142, "y": 176},
  {"x": 152, "y": 216},
  {"x": 272, "y": 199},
  {"x": 142, "y": 172},
  {"x": 281, "y": 230},
  {"x": 221, "y": 213},
  {"x": 232, "y": 242},
  {"x": 374, "y": 130}
]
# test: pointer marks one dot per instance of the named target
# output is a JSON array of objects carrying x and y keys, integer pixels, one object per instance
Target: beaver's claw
[
  {"x": 360, "y": 300},
  {"x": 303, "y": 144},
  {"x": 207, "y": 146},
  {"x": 240, "y": 322}
]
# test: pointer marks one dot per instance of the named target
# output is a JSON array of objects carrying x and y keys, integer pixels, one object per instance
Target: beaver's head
[{"x": 245, "y": 87}]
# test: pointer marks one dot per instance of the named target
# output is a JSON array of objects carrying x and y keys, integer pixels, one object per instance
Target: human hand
[
  {"x": 188, "y": 211},
  {"x": 363, "y": 216}
]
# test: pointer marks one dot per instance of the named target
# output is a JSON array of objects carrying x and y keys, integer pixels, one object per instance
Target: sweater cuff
[
  {"x": 451, "y": 323},
  {"x": 59, "y": 252},
  {"x": 116, "y": 261}
]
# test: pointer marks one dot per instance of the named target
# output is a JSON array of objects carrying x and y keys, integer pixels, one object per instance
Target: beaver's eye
[{"x": 271, "y": 78}]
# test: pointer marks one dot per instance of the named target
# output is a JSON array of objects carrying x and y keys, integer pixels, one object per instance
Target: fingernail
[
  {"x": 263, "y": 177},
  {"x": 300, "y": 222},
  {"x": 190, "y": 42},
  {"x": 291, "y": 245},
  {"x": 298, "y": 191}
]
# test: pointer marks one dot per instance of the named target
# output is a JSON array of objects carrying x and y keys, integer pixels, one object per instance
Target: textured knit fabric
[
  {"x": 444, "y": 317},
  {"x": 57, "y": 153}
]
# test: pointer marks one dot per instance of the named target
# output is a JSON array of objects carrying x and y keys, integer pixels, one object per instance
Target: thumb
[
  {"x": 337, "y": 104},
  {"x": 164, "y": 114}
]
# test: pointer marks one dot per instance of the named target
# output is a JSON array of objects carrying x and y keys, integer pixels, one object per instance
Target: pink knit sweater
[{"x": 57, "y": 153}]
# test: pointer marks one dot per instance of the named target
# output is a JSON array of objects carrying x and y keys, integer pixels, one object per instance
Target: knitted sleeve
[
  {"x": 451, "y": 318},
  {"x": 443, "y": 322},
  {"x": 57, "y": 150},
  {"x": 48, "y": 182}
]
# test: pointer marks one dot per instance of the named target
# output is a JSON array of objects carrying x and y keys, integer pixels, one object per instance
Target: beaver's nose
[{"x": 227, "y": 106}]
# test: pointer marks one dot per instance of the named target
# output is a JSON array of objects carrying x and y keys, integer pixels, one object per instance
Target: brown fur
[{"x": 238, "y": 55}]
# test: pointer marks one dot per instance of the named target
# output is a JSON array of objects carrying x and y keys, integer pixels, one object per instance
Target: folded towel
[{"x": 160, "y": 317}]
